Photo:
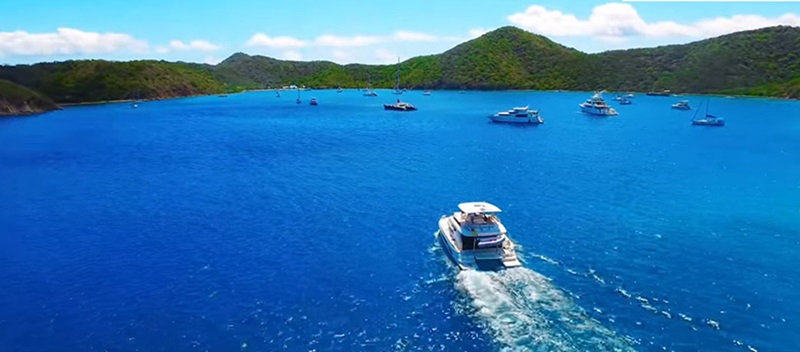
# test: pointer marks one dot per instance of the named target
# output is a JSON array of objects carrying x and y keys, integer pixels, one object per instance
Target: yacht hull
[
  {"x": 598, "y": 112},
  {"x": 398, "y": 108},
  {"x": 528, "y": 120},
  {"x": 708, "y": 123}
]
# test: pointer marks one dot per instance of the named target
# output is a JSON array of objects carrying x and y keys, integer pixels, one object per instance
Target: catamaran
[
  {"x": 474, "y": 238},
  {"x": 400, "y": 106}
]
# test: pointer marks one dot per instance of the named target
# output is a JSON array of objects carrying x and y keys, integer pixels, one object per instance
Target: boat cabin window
[{"x": 470, "y": 243}]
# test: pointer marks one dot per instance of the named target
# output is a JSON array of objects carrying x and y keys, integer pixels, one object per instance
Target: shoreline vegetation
[{"x": 756, "y": 63}]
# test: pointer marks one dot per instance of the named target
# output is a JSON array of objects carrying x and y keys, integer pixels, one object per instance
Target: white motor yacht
[
  {"x": 596, "y": 105},
  {"x": 682, "y": 105},
  {"x": 474, "y": 238},
  {"x": 518, "y": 115}
]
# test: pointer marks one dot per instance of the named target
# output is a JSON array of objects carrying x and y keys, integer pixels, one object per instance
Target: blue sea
[{"x": 251, "y": 223}]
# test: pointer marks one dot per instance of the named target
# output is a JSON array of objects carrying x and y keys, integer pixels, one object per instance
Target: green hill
[
  {"x": 758, "y": 62},
  {"x": 18, "y": 100},
  {"x": 99, "y": 80},
  {"x": 763, "y": 61}
]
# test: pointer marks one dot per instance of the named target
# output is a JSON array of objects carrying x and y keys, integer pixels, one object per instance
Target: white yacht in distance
[
  {"x": 474, "y": 238},
  {"x": 596, "y": 105},
  {"x": 682, "y": 105},
  {"x": 518, "y": 115}
]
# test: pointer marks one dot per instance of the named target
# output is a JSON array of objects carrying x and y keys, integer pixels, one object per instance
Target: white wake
[{"x": 524, "y": 312}]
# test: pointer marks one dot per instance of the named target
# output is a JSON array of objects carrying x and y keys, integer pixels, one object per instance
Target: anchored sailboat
[
  {"x": 368, "y": 92},
  {"x": 709, "y": 120},
  {"x": 397, "y": 90}
]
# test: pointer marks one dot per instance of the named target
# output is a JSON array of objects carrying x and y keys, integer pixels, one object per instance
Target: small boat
[
  {"x": 313, "y": 101},
  {"x": 596, "y": 105},
  {"x": 474, "y": 238},
  {"x": 518, "y": 115},
  {"x": 135, "y": 102},
  {"x": 426, "y": 93},
  {"x": 618, "y": 98},
  {"x": 368, "y": 92},
  {"x": 339, "y": 90},
  {"x": 664, "y": 93},
  {"x": 277, "y": 93},
  {"x": 399, "y": 106},
  {"x": 709, "y": 120},
  {"x": 223, "y": 95},
  {"x": 461, "y": 91},
  {"x": 625, "y": 101},
  {"x": 629, "y": 96},
  {"x": 298, "y": 101},
  {"x": 682, "y": 105}
]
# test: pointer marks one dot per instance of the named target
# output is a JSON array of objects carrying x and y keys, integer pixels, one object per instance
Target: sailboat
[
  {"x": 298, "y": 97},
  {"x": 368, "y": 92},
  {"x": 709, "y": 120},
  {"x": 135, "y": 103},
  {"x": 277, "y": 93},
  {"x": 397, "y": 90}
]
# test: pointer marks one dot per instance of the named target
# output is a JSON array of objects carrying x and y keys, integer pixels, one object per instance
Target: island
[
  {"x": 17, "y": 100},
  {"x": 762, "y": 62}
]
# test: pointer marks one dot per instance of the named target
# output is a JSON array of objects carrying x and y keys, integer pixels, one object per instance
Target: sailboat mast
[
  {"x": 698, "y": 110},
  {"x": 397, "y": 82}
]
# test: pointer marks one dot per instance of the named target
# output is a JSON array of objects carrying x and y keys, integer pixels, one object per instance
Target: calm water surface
[{"x": 251, "y": 223}]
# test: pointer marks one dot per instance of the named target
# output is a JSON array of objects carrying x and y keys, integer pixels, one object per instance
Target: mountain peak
[{"x": 238, "y": 56}]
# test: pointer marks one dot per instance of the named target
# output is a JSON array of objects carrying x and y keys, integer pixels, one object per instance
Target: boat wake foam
[
  {"x": 524, "y": 311},
  {"x": 652, "y": 304}
]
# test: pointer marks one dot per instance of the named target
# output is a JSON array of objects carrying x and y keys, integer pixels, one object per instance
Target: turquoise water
[{"x": 251, "y": 223}]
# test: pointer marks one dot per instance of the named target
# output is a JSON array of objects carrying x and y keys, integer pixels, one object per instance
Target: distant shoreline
[
  {"x": 721, "y": 95},
  {"x": 122, "y": 101}
]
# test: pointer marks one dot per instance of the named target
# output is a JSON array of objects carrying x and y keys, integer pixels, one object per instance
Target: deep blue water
[{"x": 251, "y": 223}]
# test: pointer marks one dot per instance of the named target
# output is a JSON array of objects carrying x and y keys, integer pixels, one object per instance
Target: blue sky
[{"x": 351, "y": 31}]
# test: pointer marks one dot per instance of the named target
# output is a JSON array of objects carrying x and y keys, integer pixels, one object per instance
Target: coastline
[{"x": 123, "y": 101}]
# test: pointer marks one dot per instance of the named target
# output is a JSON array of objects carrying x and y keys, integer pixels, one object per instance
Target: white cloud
[
  {"x": 212, "y": 60},
  {"x": 622, "y": 20},
  {"x": 194, "y": 45},
  {"x": 385, "y": 57},
  {"x": 263, "y": 40},
  {"x": 199, "y": 45},
  {"x": 67, "y": 41},
  {"x": 477, "y": 32},
  {"x": 341, "y": 56},
  {"x": 291, "y": 55},
  {"x": 338, "y": 41},
  {"x": 406, "y": 36}
]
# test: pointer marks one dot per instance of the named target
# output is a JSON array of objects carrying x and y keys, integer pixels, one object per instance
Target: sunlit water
[{"x": 252, "y": 223}]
